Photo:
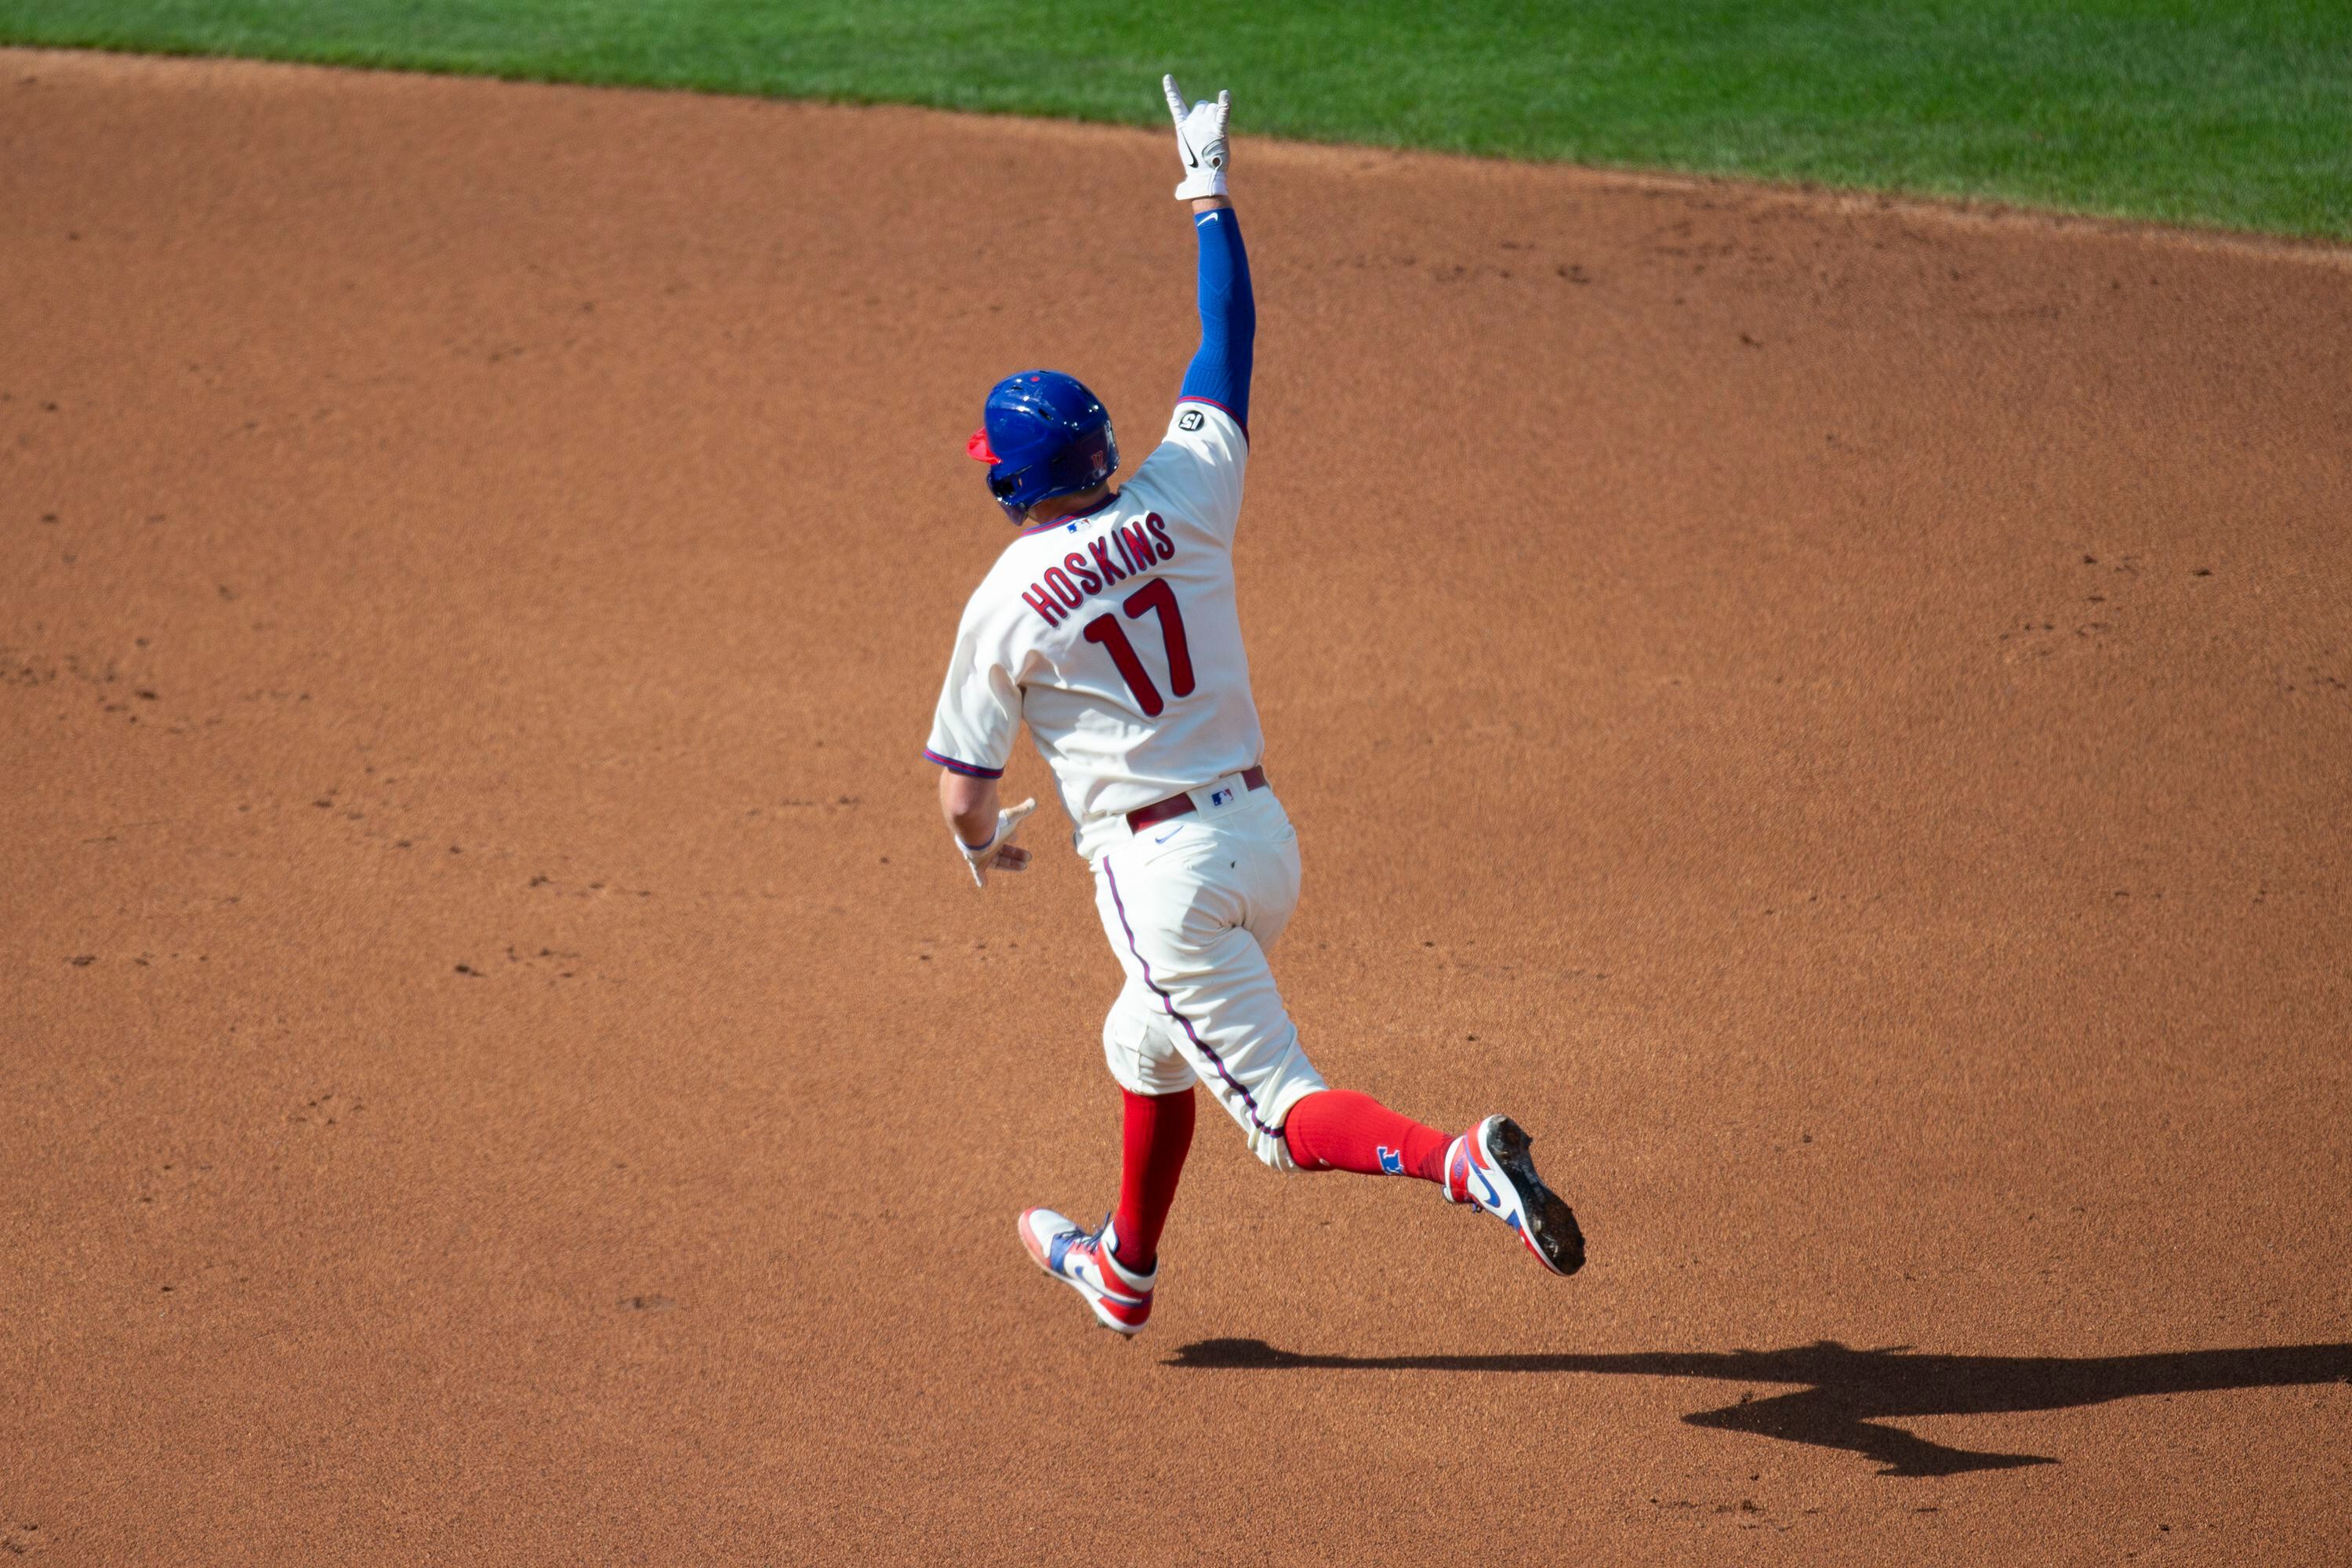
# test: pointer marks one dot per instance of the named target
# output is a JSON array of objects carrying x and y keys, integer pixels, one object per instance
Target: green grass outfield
[{"x": 2235, "y": 113}]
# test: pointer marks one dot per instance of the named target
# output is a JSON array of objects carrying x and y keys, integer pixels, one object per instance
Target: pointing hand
[{"x": 1201, "y": 138}]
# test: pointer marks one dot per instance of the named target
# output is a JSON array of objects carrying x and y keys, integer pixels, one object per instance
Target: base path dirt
[{"x": 1836, "y": 714}]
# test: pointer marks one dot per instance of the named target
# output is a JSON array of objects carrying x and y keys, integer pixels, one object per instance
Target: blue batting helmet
[{"x": 1043, "y": 434}]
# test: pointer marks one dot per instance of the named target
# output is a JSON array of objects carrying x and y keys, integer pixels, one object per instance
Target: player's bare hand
[
  {"x": 1200, "y": 140},
  {"x": 1000, "y": 853}
]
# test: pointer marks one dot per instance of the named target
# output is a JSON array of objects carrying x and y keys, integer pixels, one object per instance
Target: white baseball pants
[{"x": 1193, "y": 907}]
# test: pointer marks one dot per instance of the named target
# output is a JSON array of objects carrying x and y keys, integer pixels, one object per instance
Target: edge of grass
[{"x": 1984, "y": 193}]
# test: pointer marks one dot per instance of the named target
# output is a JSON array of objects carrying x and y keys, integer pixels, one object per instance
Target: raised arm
[{"x": 1220, "y": 371}]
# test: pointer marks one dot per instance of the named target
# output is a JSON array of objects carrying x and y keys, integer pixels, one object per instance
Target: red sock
[
  {"x": 1158, "y": 1135},
  {"x": 1339, "y": 1129}
]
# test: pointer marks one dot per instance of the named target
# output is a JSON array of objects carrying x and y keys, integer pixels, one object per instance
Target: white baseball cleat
[
  {"x": 1489, "y": 1169},
  {"x": 1082, "y": 1260}
]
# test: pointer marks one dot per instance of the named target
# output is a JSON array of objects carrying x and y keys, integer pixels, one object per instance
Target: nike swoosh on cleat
[{"x": 1493, "y": 1198}]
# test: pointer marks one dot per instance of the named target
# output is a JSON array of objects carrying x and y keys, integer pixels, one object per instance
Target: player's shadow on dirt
[{"x": 1849, "y": 1392}]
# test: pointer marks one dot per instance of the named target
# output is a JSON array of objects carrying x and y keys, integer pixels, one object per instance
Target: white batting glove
[
  {"x": 1201, "y": 137},
  {"x": 1000, "y": 853}
]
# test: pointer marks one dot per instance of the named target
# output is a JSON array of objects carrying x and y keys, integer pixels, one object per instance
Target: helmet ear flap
[
  {"x": 1108, "y": 463},
  {"x": 1005, "y": 487},
  {"x": 1088, "y": 463}
]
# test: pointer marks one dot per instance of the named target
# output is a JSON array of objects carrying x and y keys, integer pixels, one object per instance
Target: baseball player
[{"x": 1108, "y": 626}]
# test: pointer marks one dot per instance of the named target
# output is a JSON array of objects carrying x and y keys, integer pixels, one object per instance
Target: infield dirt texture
[{"x": 1835, "y": 714}]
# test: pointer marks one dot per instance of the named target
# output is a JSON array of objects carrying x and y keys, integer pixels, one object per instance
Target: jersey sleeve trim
[
  {"x": 969, "y": 770},
  {"x": 1212, "y": 403}
]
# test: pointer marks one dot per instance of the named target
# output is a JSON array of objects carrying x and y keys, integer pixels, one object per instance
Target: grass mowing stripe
[{"x": 2237, "y": 115}]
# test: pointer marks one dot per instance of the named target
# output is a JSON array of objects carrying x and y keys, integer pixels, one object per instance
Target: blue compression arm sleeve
[{"x": 1220, "y": 371}]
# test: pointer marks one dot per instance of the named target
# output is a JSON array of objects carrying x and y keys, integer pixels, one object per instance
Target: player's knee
[
  {"x": 1273, "y": 1150},
  {"x": 1273, "y": 1153},
  {"x": 1296, "y": 1082}
]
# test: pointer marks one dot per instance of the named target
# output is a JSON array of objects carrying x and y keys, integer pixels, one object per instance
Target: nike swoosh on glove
[{"x": 1201, "y": 138}]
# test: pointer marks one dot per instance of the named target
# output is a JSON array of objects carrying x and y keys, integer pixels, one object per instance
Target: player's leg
[
  {"x": 1193, "y": 924},
  {"x": 1156, "y": 1117},
  {"x": 1175, "y": 915},
  {"x": 1332, "y": 1129},
  {"x": 1155, "y": 1134},
  {"x": 1341, "y": 1129},
  {"x": 1116, "y": 1267},
  {"x": 1193, "y": 921},
  {"x": 1489, "y": 1167},
  {"x": 1209, "y": 976}
]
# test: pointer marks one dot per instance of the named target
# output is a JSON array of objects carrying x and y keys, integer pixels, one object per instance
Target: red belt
[{"x": 1177, "y": 805}]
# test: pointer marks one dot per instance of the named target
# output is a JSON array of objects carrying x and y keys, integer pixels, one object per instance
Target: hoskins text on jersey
[{"x": 1130, "y": 548}]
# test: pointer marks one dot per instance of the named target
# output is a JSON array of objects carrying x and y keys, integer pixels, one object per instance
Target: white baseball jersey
[{"x": 1115, "y": 636}]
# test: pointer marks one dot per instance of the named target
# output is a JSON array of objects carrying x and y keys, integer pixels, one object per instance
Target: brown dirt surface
[{"x": 1834, "y": 713}]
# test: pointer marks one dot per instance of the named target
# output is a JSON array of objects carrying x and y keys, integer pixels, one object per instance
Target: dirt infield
[{"x": 1837, "y": 716}]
